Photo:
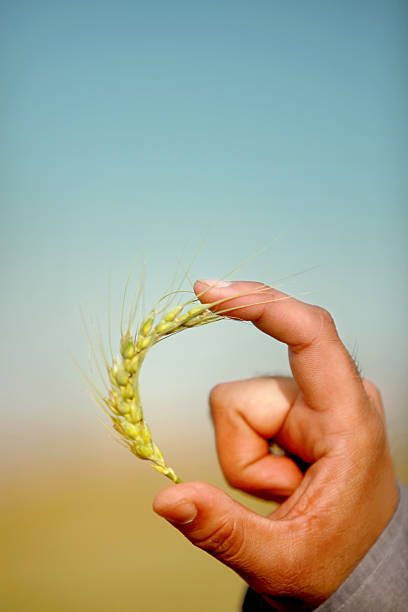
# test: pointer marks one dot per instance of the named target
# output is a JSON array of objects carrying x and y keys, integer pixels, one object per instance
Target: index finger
[{"x": 321, "y": 365}]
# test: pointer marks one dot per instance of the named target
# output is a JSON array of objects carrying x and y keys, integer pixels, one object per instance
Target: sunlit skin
[{"x": 333, "y": 509}]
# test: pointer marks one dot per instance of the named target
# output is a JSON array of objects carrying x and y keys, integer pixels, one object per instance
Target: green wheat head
[{"x": 120, "y": 397}]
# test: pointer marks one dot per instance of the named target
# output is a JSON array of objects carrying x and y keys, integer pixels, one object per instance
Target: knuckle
[
  {"x": 225, "y": 541},
  {"x": 217, "y": 398},
  {"x": 372, "y": 438},
  {"x": 321, "y": 324},
  {"x": 234, "y": 477},
  {"x": 325, "y": 317},
  {"x": 371, "y": 387}
]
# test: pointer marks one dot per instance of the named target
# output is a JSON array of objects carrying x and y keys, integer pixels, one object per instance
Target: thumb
[{"x": 214, "y": 522}]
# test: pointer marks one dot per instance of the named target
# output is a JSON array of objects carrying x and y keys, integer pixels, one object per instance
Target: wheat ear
[{"x": 121, "y": 398}]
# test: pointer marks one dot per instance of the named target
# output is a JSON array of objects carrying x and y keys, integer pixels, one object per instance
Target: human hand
[{"x": 329, "y": 418}]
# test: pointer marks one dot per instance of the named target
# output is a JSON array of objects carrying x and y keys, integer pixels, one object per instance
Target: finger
[
  {"x": 321, "y": 365},
  {"x": 247, "y": 414},
  {"x": 252, "y": 545}
]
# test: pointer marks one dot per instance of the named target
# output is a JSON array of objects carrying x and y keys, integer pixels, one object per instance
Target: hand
[{"x": 330, "y": 419}]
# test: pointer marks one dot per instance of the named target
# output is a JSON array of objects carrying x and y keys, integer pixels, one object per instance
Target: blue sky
[{"x": 139, "y": 126}]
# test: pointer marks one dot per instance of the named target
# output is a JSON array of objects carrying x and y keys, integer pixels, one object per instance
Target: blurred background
[{"x": 141, "y": 127}]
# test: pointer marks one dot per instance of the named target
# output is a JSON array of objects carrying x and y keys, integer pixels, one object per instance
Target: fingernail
[
  {"x": 211, "y": 282},
  {"x": 181, "y": 514}
]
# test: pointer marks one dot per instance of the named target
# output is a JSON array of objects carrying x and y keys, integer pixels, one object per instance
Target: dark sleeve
[{"x": 380, "y": 580}]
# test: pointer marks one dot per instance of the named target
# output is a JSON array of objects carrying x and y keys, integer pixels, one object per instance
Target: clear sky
[{"x": 134, "y": 126}]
